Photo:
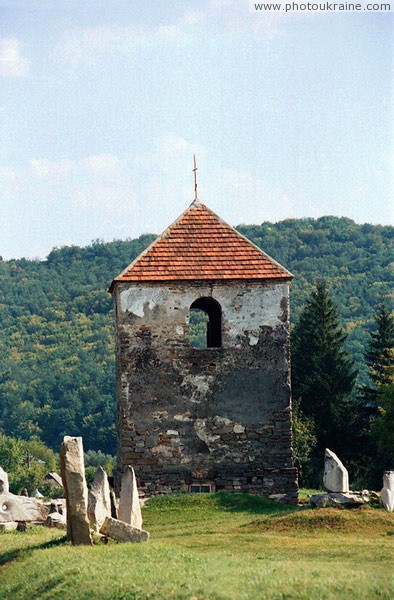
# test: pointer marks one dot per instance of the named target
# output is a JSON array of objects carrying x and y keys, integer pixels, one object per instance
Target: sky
[{"x": 104, "y": 103}]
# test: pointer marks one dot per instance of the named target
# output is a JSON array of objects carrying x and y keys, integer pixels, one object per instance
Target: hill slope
[{"x": 56, "y": 318}]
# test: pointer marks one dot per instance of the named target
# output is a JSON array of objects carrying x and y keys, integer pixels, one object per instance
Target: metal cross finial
[{"x": 195, "y": 177}]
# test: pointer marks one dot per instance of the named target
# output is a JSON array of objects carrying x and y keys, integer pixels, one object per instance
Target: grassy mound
[{"x": 329, "y": 519}]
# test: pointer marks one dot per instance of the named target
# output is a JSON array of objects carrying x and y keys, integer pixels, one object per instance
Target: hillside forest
[{"x": 57, "y": 371}]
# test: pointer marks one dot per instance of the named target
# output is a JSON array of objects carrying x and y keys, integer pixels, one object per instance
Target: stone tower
[{"x": 212, "y": 417}]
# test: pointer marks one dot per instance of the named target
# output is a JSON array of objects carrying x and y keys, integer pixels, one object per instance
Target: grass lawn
[{"x": 212, "y": 546}]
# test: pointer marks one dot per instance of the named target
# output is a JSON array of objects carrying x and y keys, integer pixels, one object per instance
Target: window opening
[
  {"x": 201, "y": 488},
  {"x": 205, "y": 324}
]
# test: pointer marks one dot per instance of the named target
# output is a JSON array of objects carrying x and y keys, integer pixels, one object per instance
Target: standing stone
[
  {"x": 76, "y": 491},
  {"x": 123, "y": 532},
  {"x": 114, "y": 510},
  {"x": 129, "y": 504},
  {"x": 4, "y": 487},
  {"x": 99, "y": 502},
  {"x": 387, "y": 493},
  {"x": 336, "y": 478}
]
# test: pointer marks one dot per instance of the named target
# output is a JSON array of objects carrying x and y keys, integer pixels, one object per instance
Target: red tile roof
[{"x": 200, "y": 246}]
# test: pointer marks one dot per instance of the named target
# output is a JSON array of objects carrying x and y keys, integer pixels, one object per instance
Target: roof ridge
[
  {"x": 159, "y": 237},
  {"x": 223, "y": 222},
  {"x": 182, "y": 252}
]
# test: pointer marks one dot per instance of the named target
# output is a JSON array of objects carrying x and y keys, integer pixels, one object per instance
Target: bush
[
  {"x": 96, "y": 458},
  {"x": 26, "y": 462}
]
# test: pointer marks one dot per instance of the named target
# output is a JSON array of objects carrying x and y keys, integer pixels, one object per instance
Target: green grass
[{"x": 214, "y": 546}]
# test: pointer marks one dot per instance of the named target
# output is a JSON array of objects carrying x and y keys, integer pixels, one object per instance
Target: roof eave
[{"x": 286, "y": 277}]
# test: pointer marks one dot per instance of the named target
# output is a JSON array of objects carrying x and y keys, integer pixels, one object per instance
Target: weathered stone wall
[{"x": 216, "y": 414}]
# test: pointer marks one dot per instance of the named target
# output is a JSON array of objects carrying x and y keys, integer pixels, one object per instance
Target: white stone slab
[
  {"x": 123, "y": 532},
  {"x": 129, "y": 503},
  {"x": 336, "y": 478},
  {"x": 387, "y": 493}
]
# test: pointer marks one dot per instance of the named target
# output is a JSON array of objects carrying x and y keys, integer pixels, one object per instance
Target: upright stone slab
[
  {"x": 99, "y": 502},
  {"x": 114, "y": 509},
  {"x": 76, "y": 491},
  {"x": 387, "y": 493},
  {"x": 4, "y": 487},
  {"x": 336, "y": 478},
  {"x": 129, "y": 504}
]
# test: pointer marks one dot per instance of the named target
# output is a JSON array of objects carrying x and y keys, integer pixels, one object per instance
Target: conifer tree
[
  {"x": 380, "y": 353},
  {"x": 380, "y": 397},
  {"x": 382, "y": 428},
  {"x": 322, "y": 373}
]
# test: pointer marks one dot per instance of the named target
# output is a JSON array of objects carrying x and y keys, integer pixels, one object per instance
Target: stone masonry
[{"x": 218, "y": 416}]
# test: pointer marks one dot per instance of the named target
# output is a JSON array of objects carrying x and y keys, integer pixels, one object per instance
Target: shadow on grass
[
  {"x": 252, "y": 504},
  {"x": 10, "y": 555}
]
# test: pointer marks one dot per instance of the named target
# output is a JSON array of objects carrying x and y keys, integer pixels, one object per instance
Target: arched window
[{"x": 205, "y": 323}]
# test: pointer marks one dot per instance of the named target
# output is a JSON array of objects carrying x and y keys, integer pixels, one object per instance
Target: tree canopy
[
  {"x": 57, "y": 372},
  {"x": 323, "y": 375},
  {"x": 379, "y": 355}
]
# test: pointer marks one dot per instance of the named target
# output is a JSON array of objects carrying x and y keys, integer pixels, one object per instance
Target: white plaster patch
[
  {"x": 183, "y": 418},
  {"x": 258, "y": 306},
  {"x": 253, "y": 339},
  {"x": 137, "y": 299},
  {"x": 221, "y": 420},
  {"x": 238, "y": 428},
  {"x": 125, "y": 386},
  {"x": 200, "y": 383},
  {"x": 172, "y": 432},
  {"x": 199, "y": 424},
  {"x": 200, "y": 429},
  {"x": 158, "y": 415}
]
